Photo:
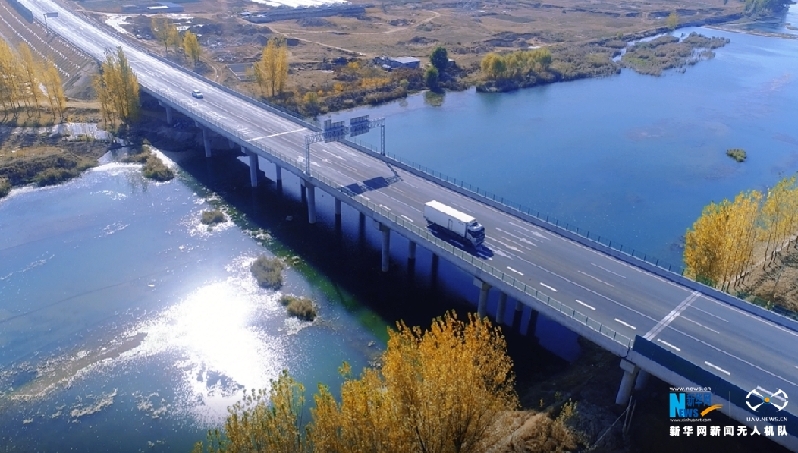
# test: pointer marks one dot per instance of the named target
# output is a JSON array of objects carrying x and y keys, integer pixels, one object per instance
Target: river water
[
  {"x": 631, "y": 158},
  {"x": 126, "y": 325}
]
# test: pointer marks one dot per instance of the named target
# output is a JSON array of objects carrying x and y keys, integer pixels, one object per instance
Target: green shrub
[
  {"x": 301, "y": 307},
  {"x": 5, "y": 187},
  {"x": 51, "y": 176},
  {"x": 268, "y": 272},
  {"x": 211, "y": 218},
  {"x": 736, "y": 154}
]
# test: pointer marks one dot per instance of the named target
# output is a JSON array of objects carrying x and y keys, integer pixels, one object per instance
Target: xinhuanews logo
[{"x": 691, "y": 406}]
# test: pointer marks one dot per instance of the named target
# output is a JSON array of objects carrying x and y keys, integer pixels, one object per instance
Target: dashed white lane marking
[
  {"x": 718, "y": 368},
  {"x": 407, "y": 218},
  {"x": 286, "y": 132},
  {"x": 595, "y": 278},
  {"x": 257, "y": 138},
  {"x": 671, "y": 316},
  {"x": 668, "y": 344},
  {"x": 518, "y": 238},
  {"x": 547, "y": 286},
  {"x": 698, "y": 340},
  {"x": 699, "y": 324},
  {"x": 584, "y": 304},
  {"x": 607, "y": 270},
  {"x": 711, "y": 314},
  {"x": 517, "y": 272},
  {"x": 626, "y": 324},
  {"x": 528, "y": 230}
]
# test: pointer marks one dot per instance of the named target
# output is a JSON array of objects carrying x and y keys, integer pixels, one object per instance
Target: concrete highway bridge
[{"x": 655, "y": 320}]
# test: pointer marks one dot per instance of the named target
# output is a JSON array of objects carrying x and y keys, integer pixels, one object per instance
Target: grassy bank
[
  {"x": 29, "y": 158},
  {"x": 45, "y": 164}
]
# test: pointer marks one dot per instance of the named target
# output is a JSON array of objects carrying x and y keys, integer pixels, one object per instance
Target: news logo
[
  {"x": 759, "y": 396},
  {"x": 691, "y": 405}
]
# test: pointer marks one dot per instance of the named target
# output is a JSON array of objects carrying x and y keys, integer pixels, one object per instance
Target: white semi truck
[{"x": 451, "y": 221}]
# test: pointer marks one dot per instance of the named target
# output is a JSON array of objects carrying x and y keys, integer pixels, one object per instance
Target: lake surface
[
  {"x": 125, "y": 325},
  {"x": 632, "y": 158}
]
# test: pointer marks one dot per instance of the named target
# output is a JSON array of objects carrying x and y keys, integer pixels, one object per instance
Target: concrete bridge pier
[
  {"x": 630, "y": 371},
  {"x": 386, "y": 246},
  {"x": 303, "y": 193},
  {"x": 337, "y": 214},
  {"x": 253, "y": 167},
  {"x": 232, "y": 145},
  {"x": 168, "y": 114},
  {"x": 311, "y": 194},
  {"x": 642, "y": 380},
  {"x": 532, "y": 325},
  {"x": 433, "y": 271},
  {"x": 278, "y": 178},
  {"x": 518, "y": 314},
  {"x": 411, "y": 252},
  {"x": 206, "y": 140},
  {"x": 500, "y": 308},
  {"x": 482, "y": 305}
]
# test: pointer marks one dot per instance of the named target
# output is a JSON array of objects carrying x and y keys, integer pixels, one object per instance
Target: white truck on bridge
[{"x": 449, "y": 220}]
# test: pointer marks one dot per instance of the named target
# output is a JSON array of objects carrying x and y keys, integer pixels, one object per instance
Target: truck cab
[{"x": 475, "y": 233}]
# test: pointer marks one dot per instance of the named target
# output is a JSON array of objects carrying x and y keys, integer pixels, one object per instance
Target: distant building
[
  {"x": 153, "y": 8},
  {"x": 389, "y": 63}
]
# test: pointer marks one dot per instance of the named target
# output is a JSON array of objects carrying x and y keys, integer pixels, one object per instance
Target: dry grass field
[{"x": 468, "y": 29}]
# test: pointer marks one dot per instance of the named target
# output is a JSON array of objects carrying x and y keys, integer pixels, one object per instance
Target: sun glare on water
[{"x": 221, "y": 333}]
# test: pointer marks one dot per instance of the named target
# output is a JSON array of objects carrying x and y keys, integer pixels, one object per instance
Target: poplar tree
[
  {"x": 28, "y": 72},
  {"x": 117, "y": 88},
  {"x": 191, "y": 47},
  {"x": 160, "y": 30},
  {"x": 55, "y": 90},
  {"x": 271, "y": 72}
]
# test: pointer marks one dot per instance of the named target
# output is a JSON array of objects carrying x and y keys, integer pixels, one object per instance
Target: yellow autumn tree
[
  {"x": 271, "y": 72},
  {"x": 719, "y": 247},
  {"x": 173, "y": 38},
  {"x": 51, "y": 80},
  {"x": 741, "y": 235},
  {"x": 438, "y": 391},
  {"x": 12, "y": 94},
  {"x": 779, "y": 216},
  {"x": 263, "y": 421},
  {"x": 162, "y": 31},
  {"x": 191, "y": 47},
  {"x": 117, "y": 88},
  {"x": 29, "y": 74}
]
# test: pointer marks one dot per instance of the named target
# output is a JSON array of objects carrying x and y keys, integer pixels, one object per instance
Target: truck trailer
[{"x": 453, "y": 222}]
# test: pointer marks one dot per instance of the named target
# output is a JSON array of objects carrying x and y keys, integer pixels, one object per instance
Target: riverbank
[{"x": 34, "y": 149}]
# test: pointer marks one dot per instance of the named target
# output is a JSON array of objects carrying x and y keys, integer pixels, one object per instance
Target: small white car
[{"x": 197, "y": 94}]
